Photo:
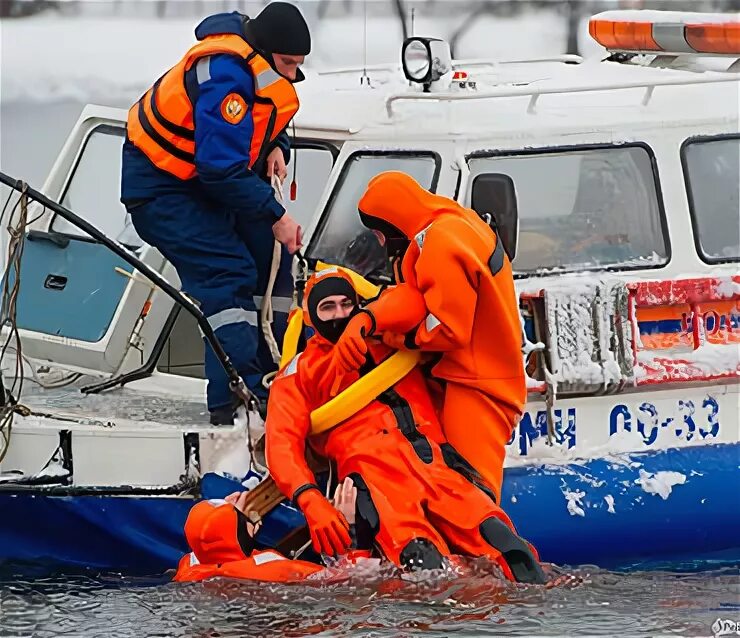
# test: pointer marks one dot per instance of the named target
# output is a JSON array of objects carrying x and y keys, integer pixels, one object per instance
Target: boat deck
[{"x": 117, "y": 405}]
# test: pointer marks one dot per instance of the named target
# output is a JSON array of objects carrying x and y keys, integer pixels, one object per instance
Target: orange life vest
[
  {"x": 261, "y": 565},
  {"x": 161, "y": 124}
]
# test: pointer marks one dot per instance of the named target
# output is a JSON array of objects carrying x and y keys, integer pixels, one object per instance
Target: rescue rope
[
  {"x": 9, "y": 401},
  {"x": 47, "y": 385},
  {"x": 9, "y": 300},
  {"x": 266, "y": 315}
]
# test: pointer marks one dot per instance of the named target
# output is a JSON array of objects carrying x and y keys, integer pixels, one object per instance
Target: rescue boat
[{"x": 614, "y": 184}]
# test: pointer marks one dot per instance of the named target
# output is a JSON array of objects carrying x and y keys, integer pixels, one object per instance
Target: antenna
[
  {"x": 413, "y": 12},
  {"x": 364, "y": 75}
]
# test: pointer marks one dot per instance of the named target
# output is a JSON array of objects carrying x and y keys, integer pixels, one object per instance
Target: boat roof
[
  {"x": 521, "y": 98},
  {"x": 517, "y": 99}
]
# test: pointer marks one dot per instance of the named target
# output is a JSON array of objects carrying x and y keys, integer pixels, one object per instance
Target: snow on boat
[{"x": 615, "y": 187}]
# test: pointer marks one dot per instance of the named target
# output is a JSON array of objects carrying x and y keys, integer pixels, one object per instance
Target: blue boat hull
[{"x": 697, "y": 521}]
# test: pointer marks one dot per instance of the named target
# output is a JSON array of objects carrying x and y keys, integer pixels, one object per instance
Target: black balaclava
[
  {"x": 396, "y": 242},
  {"x": 279, "y": 28},
  {"x": 332, "y": 329}
]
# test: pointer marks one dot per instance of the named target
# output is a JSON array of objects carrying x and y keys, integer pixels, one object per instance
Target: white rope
[
  {"x": 49, "y": 385},
  {"x": 266, "y": 315}
]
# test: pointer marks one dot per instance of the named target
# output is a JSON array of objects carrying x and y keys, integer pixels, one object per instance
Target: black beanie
[{"x": 280, "y": 28}]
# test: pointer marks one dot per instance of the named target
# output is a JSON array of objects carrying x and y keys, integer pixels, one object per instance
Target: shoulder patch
[{"x": 233, "y": 108}]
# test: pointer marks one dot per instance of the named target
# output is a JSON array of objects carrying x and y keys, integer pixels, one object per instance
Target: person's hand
[
  {"x": 329, "y": 529},
  {"x": 351, "y": 348},
  {"x": 288, "y": 233},
  {"x": 345, "y": 499},
  {"x": 395, "y": 340},
  {"x": 239, "y": 501},
  {"x": 276, "y": 164}
]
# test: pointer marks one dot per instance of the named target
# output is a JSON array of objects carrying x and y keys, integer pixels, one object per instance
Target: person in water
[
  {"x": 415, "y": 493},
  {"x": 221, "y": 537},
  {"x": 469, "y": 314}
]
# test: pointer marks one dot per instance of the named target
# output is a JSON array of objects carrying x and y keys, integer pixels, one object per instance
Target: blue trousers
[{"x": 223, "y": 261}]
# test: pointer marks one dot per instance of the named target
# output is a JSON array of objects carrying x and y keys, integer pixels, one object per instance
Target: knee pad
[
  {"x": 420, "y": 554},
  {"x": 514, "y": 551}
]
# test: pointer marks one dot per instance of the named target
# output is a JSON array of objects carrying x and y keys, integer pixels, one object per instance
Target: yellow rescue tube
[
  {"x": 364, "y": 288},
  {"x": 364, "y": 391},
  {"x": 292, "y": 335}
]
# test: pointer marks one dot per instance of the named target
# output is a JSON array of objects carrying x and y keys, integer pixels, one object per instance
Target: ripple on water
[{"x": 379, "y": 602}]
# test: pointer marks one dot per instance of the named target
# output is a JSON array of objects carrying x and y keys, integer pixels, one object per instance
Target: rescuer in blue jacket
[{"x": 201, "y": 147}]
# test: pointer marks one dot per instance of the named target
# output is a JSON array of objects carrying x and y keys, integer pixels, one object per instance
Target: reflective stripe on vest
[{"x": 161, "y": 125}]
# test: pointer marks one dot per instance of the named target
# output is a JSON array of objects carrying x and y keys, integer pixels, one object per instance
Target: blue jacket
[{"x": 222, "y": 149}]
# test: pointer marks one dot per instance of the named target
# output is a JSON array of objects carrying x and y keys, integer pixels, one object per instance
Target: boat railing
[
  {"x": 535, "y": 92},
  {"x": 395, "y": 67}
]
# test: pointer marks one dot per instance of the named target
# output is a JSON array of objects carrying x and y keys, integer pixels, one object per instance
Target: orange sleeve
[
  {"x": 286, "y": 431},
  {"x": 446, "y": 275},
  {"x": 399, "y": 309}
]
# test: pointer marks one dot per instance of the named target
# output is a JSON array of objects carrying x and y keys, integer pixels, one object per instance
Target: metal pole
[{"x": 235, "y": 381}]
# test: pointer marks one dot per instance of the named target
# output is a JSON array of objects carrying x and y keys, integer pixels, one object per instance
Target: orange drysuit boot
[
  {"x": 415, "y": 493},
  {"x": 455, "y": 261},
  {"x": 222, "y": 547}
]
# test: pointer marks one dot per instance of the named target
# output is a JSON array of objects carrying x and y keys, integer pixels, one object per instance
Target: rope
[
  {"x": 9, "y": 299},
  {"x": 47, "y": 385},
  {"x": 266, "y": 314}
]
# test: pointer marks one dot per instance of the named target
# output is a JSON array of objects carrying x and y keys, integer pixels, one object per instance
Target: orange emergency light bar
[
  {"x": 714, "y": 38},
  {"x": 667, "y": 32}
]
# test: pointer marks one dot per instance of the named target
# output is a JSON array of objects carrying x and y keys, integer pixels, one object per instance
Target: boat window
[
  {"x": 576, "y": 209},
  {"x": 340, "y": 237},
  {"x": 712, "y": 172},
  {"x": 94, "y": 189},
  {"x": 310, "y": 166}
]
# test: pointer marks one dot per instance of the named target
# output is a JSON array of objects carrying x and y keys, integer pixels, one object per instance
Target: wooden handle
[{"x": 262, "y": 499}]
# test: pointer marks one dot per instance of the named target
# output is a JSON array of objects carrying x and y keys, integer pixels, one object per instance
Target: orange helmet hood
[
  {"x": 322, "y": 284},
  {"x": 218, "y": 534},
  {"x": 396, "y": 199}
]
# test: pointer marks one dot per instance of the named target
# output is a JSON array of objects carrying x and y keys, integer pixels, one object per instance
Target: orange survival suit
[
  {"x": 418, "y": 508},
  {"x": 456, "y": 261},
  {"x": 222, "y": 547}
]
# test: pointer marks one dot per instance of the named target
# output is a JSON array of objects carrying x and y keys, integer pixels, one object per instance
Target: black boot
[{"x": 514, "y": 551}]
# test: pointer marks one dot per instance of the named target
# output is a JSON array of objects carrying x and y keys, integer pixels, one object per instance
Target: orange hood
[
  {"x": 218, "y": 533},
  {"x": 330, "y": 281},
  {"x": 396, "y": 199}
]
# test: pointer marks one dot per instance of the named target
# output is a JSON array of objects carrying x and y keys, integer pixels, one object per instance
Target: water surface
[{"x": 592, "y": 602}]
